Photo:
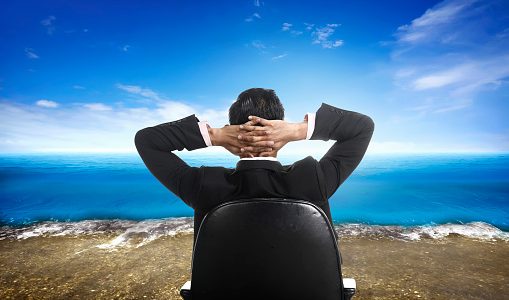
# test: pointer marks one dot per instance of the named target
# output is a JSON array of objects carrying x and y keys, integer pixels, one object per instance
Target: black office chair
[{"x": 267, "y": 248}]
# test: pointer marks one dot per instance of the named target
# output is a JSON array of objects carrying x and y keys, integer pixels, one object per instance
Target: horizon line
[{"x": 229, "y": 154}]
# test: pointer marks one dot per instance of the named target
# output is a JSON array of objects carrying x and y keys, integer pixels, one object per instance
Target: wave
[
  {"x": 130, "y": 233},
  {"x": 476, "y": 230}
]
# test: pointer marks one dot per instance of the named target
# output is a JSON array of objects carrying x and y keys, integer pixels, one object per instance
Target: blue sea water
[{"x": 406, "y": 190}]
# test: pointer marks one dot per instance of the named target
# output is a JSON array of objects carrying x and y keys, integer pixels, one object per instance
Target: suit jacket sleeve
[
  {"x": 155, "y": 145},
  {"x": 352, "y": 132}
]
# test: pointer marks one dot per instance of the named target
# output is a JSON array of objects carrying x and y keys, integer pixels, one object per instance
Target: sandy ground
[{"x": 72, "y": 267}]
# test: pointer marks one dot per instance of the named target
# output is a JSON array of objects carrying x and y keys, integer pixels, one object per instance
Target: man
[{"x": 256, "y": 133}]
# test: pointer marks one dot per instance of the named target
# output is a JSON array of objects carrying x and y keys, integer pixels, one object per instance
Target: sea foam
[
  {"x": 477, "y": 230},
  {"x": 128, "y": 233}
]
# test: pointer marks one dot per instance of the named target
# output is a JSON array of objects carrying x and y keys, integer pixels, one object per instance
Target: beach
[{"x": 94, "y": 266}]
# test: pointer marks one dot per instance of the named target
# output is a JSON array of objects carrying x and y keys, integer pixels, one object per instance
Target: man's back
[
  {"x": 261, "y": 178},
  {"x": 203, "y": 188}
]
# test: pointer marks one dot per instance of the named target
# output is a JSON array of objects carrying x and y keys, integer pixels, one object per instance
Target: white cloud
[
  {"x": 435, "y": 21},
  {"x": 253, "y": 17},
  {"x": 97, "y": 106},
  {"x": 336, "y": 43},
  {"x": 450, "y": 56},
  {"x": 171, "y": 109},
  {"x": 46, "y": 103},
  {"x": 92, "y": 127},
  {"x": 442, "y": 78},
  {"x": 322, "y": 34},
  {"x": 137, "y": 90},
  {"x": 258, "y": 45},
  {"x": 77, "y": 128},
  {"x": 258, "y": 3},
  {"x": 434, "y": 105},
  {"x": 78, "y": 87},
  {"x": 404, "y": 72},
  {"x": 467, "y": 76},
  {"x": 30, "y": 53},
  {"x": 454, "y": 106},
  {"x": 278, "y": 57},
  {"x": 491, "y": 144},
  {"x": 286, "y": 26},
  {"x": 48, "y": 23}
]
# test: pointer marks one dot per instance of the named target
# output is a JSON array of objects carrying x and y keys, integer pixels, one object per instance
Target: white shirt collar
[{"x": 260, "y": 158}]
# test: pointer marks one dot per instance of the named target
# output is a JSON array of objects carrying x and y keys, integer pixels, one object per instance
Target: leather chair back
[{"x": 266, "y": 248}]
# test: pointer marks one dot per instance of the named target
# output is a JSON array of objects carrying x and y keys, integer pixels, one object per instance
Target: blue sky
[{"x": 86, "y": 75}]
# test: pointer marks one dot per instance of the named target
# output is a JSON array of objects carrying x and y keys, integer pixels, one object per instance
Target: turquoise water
[{"x": 402, "y": 190}]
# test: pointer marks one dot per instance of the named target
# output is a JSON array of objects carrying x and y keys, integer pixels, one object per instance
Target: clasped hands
[{"x": 257, "y": 137}]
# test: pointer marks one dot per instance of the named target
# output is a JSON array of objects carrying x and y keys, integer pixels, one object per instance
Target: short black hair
[{"x": 260, "y": 102}]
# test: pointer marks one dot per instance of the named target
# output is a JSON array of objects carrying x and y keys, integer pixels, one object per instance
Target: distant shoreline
[{"x": 224, "y": 153}]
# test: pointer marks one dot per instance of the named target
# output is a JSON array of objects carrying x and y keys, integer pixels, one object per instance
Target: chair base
[
  {"x": 185, "y": 290},
  {"x": 349, "y": 289}
]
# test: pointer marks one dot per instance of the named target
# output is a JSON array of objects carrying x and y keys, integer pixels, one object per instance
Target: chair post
[
  {"x": 185, "y": 291},
  {"x": 349, "y": 288}
]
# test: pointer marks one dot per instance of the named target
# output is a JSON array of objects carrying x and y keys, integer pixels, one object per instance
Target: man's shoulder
[
  {"x": 306, "y": 161},
  {"x": 216, "y": 168}
]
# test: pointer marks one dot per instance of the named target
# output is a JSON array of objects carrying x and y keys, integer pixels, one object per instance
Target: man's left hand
[{"x": 228, "y": 137}]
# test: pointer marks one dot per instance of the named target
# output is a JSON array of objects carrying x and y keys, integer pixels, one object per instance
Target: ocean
[{"x": 405, "y": 196}]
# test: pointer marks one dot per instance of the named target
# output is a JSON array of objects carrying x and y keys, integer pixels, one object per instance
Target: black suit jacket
[{"x": 204, "y": 187}]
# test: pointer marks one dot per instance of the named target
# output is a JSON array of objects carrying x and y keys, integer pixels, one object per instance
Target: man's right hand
[
  {"x": 228, "y": 138},
  {"x": 279, "y": 131}
]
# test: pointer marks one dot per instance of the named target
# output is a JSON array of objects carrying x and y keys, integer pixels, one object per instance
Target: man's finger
[
  {"x": 251, "y": 138},
  {"x": 258, "y": 144},
  {"x": 251, "y": 122},
  {"x": 265, "y": 154},
  {"x": 259, "y": 120},
  {"x": 256, "y": 133},
  {"x": 235, "y": 127},
  {"x": 244, "y": 154},
  {"x": 251, "y": 127},
  {"x": 255, "y": 149}
]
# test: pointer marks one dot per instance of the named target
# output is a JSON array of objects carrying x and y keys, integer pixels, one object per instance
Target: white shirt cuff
[
  {"x": 311, "y": 125},
  {"x": 205, "y": 132}
]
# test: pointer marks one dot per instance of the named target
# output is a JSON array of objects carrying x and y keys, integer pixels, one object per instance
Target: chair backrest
[{"x": 266, "y": 248}]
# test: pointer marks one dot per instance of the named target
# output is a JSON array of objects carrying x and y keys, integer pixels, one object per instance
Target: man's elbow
[
  {"x": 369, "y": 124},
  {"x": 140, "y": 137}
]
